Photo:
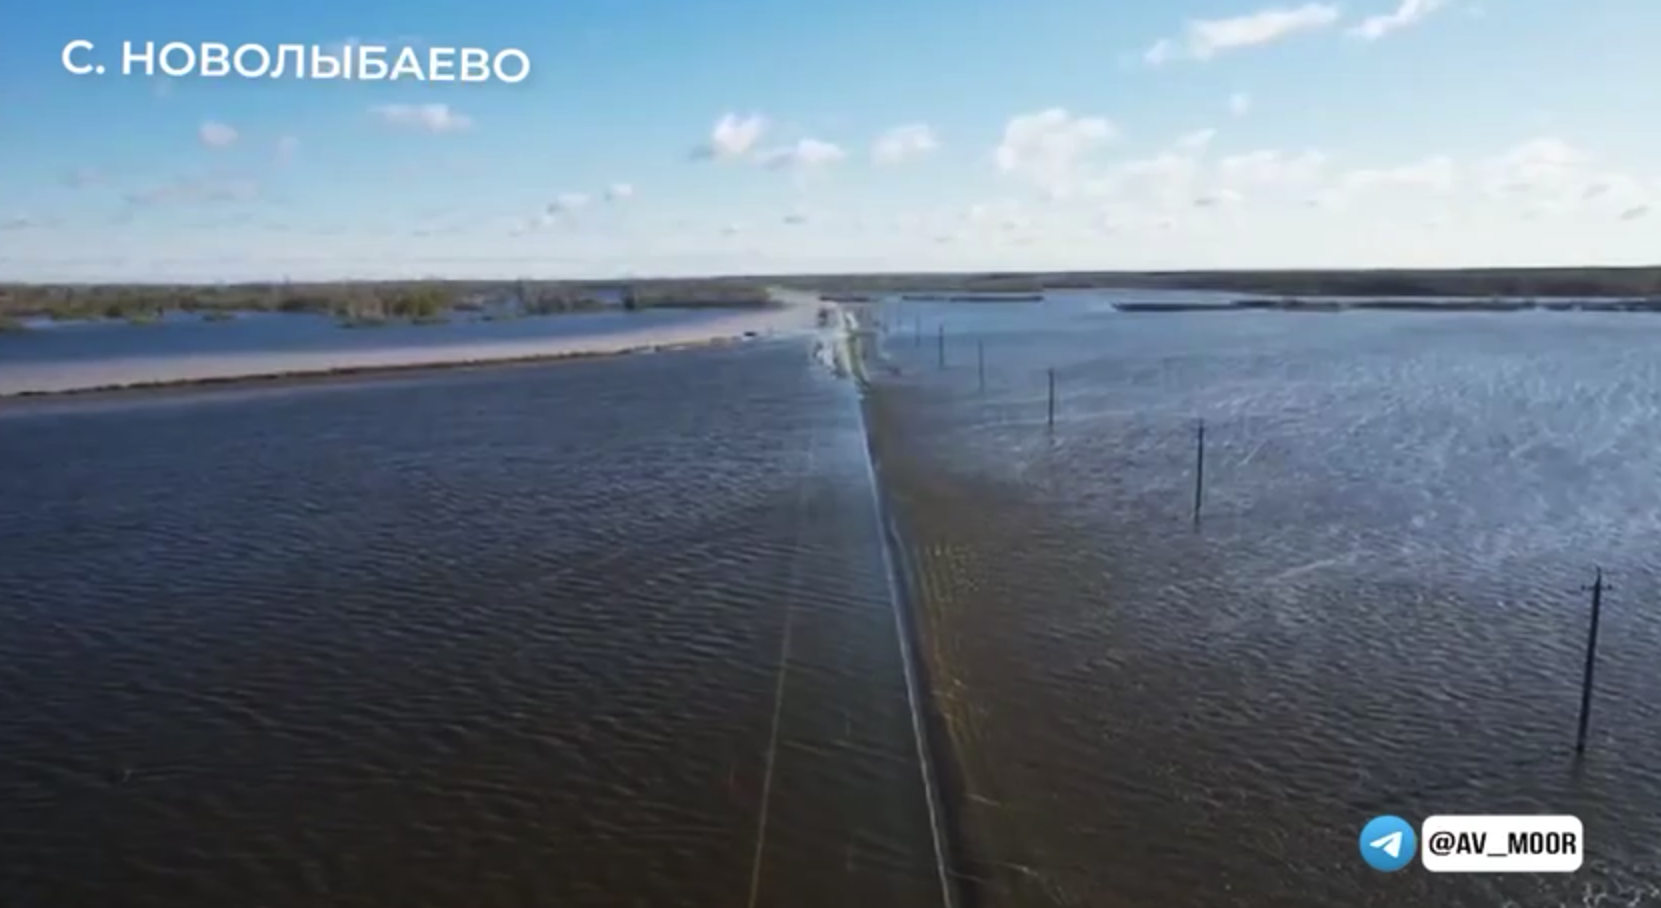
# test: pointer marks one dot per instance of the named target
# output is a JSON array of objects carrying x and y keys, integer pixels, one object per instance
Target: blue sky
[{"x": 681, "y": 137}]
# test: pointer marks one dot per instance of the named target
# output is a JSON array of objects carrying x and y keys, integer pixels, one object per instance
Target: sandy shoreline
[{"x": 796, "y": 315}]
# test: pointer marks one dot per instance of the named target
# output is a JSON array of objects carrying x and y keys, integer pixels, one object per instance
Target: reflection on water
[
  {"x": 1381, "y": 613},
  {"x": 495, "y": 638}
]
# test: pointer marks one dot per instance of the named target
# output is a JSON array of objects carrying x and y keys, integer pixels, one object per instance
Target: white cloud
[
  {"x": 619, "y": 192},
  {"x": 1615, "y": 188},
  {"x": 1203, "y": 39},
  {"x": 1272, "y": 167},
  {"x": 1437, "y": 173},
  {"x": 568, "y": 202},
  {"x": 216, "y": 135},
  {"x": 1407, "y": 13},
  {"x": 287, "y": 148},
  {"x": 995, "y": 218},
  {"x": 1545, "y": 168},
  {"x": 806, "y": 153},
  {"x": 1169, "y": 177},
  {"x": 903, "y": 143},
  {"x": 1197, "y": 141},
  {"x": 733, "y": 136},
  {"x": 433, "y": 118},
  {"x": 1048, "y": 148},
  {"x": 1218, "y": 199},
  {"x": 1239, "y": 104}
]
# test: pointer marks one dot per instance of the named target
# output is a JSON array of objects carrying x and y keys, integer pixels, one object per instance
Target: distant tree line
[
  {"x": 1400, "y": 283},
  {"x": 436, "y": 300},
  {"x": 418, "y": 301}
]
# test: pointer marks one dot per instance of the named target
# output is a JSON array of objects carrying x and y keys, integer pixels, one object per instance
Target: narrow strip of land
[{"x": 793, "y": 314}]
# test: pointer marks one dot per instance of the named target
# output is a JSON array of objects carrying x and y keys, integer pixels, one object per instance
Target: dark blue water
[
  {"x": 1382, "y": 610},
  {"x": 515, "y": 636},
  {"x": 606, "y": 633}
]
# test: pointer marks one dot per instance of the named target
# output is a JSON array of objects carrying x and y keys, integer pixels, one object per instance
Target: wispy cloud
[
  {"x": 1203, "y": 39},
  {"x": 1239, "y": 104},
  {"x": 619, "y": 192},
  {"x": 804, "y": 154},
  {"x": 1220, "y": 198},
  {"x": 287, "y": 148},
  {"x": 195, "y": 190},
  {"x": 1197, "y": 141},
  {"x": 567, "y": 202},
  {"x": 1436, "y": 173},
  {"x": 903, "y": 143},
  {"x": 431, "y": 118},
  {"x": 1406, "y": 14},
  {"x": 1542, "y": 167},
  {"x": 216, "y": 135},
  {"x": 1272, "y": 167}
]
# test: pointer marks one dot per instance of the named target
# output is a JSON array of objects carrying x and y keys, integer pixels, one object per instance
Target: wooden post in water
[
  {"x": 1596, "y": 590},
  {"x": 1199, "y": 470},
  {"x": 940, "y": 344},
  {"x": 1051, "y": 422},
  {"x": 980, "y": 363}
]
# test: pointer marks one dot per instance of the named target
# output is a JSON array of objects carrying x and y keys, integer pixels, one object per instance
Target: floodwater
[
  {"x": 507, "y": 637},
  {"x": 67, "y": 356},
  {"x": 1382, "y": 610},
  {"x": 515, "y": 636}
]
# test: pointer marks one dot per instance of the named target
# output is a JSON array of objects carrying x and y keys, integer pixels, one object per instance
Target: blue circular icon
[{"x": 1388, "y": 843}]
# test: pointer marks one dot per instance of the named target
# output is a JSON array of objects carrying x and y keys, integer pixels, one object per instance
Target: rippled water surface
[
  {"x": 1381, "y": 611},
  {"x": 509, "y": 637},
  {"x": 621, "y": 633}
]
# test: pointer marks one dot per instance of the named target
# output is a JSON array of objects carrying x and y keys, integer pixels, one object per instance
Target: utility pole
[
  {"x": 1596, "y": 589},
  {"x": 1051, "y": 422},
  {"x": 1199, "y": 470}
]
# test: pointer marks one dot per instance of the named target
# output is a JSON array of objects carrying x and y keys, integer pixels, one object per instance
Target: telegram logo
[{"x": 1388, "y": 843}]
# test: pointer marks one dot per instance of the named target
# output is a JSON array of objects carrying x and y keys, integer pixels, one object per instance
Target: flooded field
[
  {"x": 623, "y": 632},
  {"x": 1382, "y": 611},
  {"x": 510, "y": 637}
]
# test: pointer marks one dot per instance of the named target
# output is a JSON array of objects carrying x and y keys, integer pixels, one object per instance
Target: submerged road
[{"x": 530, "y": 636}]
